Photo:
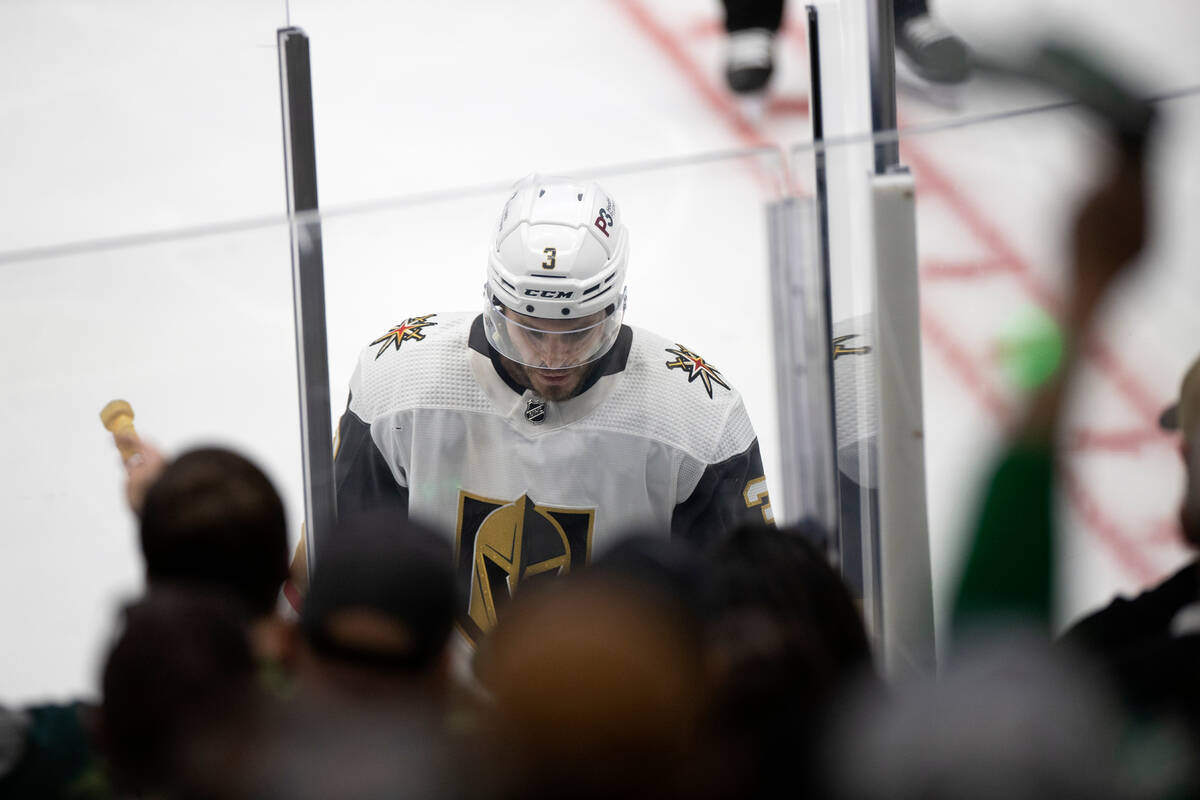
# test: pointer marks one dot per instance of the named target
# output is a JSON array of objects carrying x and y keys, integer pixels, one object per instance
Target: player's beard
[{"x": 549, "y": 384}]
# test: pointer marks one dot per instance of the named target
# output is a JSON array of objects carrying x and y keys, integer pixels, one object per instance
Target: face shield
[{"x": 551, "y": 343}]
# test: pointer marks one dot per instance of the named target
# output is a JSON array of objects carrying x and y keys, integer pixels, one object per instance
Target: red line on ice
[
  {"x": 1118, "y": 441},
  {"x": 1104, "y": 527},
  {"x": 676, "y": 52},
  {"x": 936, "y": 269},
  {"x": 1128, "y": 552},
  {"x": 933, "y": 181},
  {"x": 1166, "y": 533}
]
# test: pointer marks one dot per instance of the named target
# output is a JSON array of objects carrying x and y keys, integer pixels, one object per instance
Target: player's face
[{"x": 553, "y": 344}]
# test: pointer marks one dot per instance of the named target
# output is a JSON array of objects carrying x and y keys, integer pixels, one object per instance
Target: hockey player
[{"x": 541, "y": 430}]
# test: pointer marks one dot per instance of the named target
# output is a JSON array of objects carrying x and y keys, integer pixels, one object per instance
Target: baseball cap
[
  {"x": 382, "y": 594},
  {"x": 1184, "y": 414}
]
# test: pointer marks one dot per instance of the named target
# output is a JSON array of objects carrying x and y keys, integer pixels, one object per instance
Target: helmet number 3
[
  {"x": 550, "y": 254},
  {"x": 604, "y": 221}
]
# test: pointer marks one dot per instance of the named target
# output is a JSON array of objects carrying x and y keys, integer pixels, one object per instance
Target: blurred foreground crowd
[{"x": 740, "y": 670}]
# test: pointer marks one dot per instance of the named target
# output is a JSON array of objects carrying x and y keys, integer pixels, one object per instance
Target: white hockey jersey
[{"x": 434, "y": 428}]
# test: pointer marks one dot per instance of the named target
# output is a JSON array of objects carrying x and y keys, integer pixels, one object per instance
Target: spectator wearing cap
[
  {"x": 370, "y": 669},
  {"x": 1151, "y": 643},
  {"x": 377, "y": 619}
]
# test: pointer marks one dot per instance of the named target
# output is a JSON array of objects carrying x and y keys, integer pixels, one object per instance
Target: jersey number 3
[{"x": 756, "y": 495}]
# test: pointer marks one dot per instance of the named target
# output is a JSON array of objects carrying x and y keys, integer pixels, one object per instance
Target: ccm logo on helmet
[{"x": 549, "y": 295}]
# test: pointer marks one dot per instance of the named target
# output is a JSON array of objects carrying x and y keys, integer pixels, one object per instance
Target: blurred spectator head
[
  {"x": 212, "y": 519},
  {"x": 1012, "y": 717},
  {"x": 369, "y": 663},
  {"x": 656, "y": 563},
  {"x": 178, "y": 681},
  {"x": 597, "y": 687},
  {"x": 782, "y": 575},
  {"x": 316, "y": 753},
  {"x": 380, "y": 607},
  {"x": 1184, "y": 416},
  {"x": 785, "y": 645}
]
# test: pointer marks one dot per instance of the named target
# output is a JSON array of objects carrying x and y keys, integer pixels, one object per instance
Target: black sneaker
[
  {"x": 749, "y": 62},
  {"x": 933, "y": 52}
]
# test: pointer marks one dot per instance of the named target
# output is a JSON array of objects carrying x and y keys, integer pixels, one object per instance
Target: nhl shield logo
[
  {"x": 502, "y": 545},
  {"x": 535, "y": 411}
]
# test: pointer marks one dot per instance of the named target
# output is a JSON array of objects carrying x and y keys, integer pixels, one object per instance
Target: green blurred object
[
  {"x": 1033, "y": 351},
  {"x": 1008, "y": 578}
]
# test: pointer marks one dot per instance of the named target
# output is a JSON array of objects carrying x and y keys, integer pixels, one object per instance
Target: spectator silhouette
[
  {"x": 371, "y": 672},
  {"x": 597, "y": 692},
  {"x": 178, "y": 686},
  {"x": 1150, "y": 645},
  {"x": 785, "y": 645},
  {"x": 213, "y": 519},
  {"x": 209, "y": 522}
]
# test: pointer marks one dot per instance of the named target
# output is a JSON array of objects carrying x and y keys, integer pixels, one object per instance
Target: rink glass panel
[
  {"x": 121, "y": 118},
  {"x": 134, "y": 123},
  {"x": 994, "y": 201},
  {"x": 197, "y": 335}
]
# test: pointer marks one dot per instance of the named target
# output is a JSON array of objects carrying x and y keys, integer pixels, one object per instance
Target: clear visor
[{"x": 551, "y": 343}]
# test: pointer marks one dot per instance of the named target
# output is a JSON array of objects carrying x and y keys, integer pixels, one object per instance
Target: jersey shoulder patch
[
  {"x": 410, "y": 330},
  {"x": 419, "y": 363},
  {"x": 680, "y": 372},
  {"x": 671, "y": 394},
  {"x": 696, "y": 368}
]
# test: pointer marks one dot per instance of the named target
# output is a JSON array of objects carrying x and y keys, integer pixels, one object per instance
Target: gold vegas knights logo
[
  {"x": 501, "y": 545},
  {"x": 841, "y": 346},
  {"x": 409, "y": 330},
  {"x": 695, "y": 367}
]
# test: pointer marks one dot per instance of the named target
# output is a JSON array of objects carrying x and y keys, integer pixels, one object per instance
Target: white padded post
[{"x": 905, "y": 581}]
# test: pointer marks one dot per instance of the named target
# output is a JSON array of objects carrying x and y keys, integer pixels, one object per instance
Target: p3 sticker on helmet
[{"x": 604, "y": 221}]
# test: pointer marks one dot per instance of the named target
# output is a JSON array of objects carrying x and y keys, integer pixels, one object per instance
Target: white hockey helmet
[{"x": 559, "y": 253}]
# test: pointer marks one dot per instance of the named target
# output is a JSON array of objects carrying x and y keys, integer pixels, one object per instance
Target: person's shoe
[
  {"x": 933, "y": 52},
  {"x": 749, "y": 62}
]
